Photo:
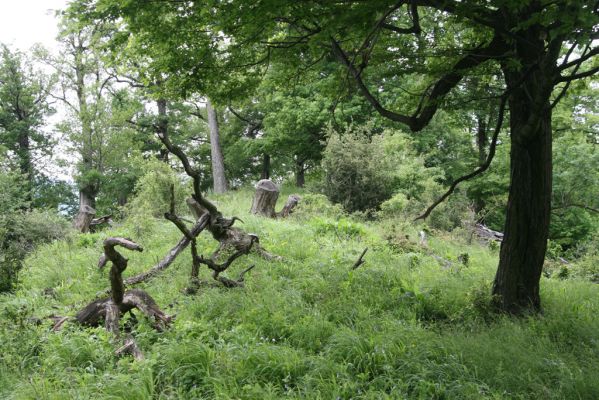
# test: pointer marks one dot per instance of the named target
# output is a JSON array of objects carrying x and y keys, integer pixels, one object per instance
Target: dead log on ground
[{"x": 487, "y": 234}]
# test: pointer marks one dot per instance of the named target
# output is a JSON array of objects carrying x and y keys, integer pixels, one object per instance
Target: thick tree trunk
[
  {"x": 216, "y": 154},
  {"x": 265, "y": 198},
  {"x": 87, "y": 209},
  {"x": 527, "y": 222},
  {"x": 516, "y": 286},
  {"x": 265, "y": 167}
]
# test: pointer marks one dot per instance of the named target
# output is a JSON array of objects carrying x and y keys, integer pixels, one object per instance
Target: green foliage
[
  {"x": 358, "y": 171},
  {"x": 313, "y": 204},
  {"x": 306, "y": 327},
  {"x": 152, "y": 194},
  {"x": 342, "y": 227},
  {"x": 20, "y": 232},
  {"x": 364, "y": 169},
  {"x": 400, "y": 326}
]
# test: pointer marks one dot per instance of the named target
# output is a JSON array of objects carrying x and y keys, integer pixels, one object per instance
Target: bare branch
[{"x": 360, "y": 260}]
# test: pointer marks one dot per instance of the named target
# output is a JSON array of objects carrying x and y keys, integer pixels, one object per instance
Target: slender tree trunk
[
  {"x": 265, "y": 167},
  {"x": 25, "y": 165},
  {"x": 481, "y": 138},
  {"x": 300, "y": 173},
  {"x": 162, "y": 126},
  {"x": 516, "y": 286},
  {"x": 216, "y": 154},
  {"x": 481, "y": 144}
]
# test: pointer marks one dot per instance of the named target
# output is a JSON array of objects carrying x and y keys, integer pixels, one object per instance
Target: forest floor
[{"x": 412, "y": 322}]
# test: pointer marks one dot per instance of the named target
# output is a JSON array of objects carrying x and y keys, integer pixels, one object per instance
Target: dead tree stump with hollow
[{"x": 265, "y": 198}]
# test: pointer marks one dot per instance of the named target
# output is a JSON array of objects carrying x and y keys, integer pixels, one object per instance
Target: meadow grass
[{"x": 403, "y": 325}]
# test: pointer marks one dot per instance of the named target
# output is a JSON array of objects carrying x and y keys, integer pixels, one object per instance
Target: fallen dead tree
[
  {"x": 487, "y": 234},
  {"x": 110, "y": 309}
]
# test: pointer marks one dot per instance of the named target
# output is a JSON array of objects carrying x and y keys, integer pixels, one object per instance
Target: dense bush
[
  {"x": 152, "y": 195},
  {"x": 358, "y": 171},
  {"x": 20, "y": 233},
  {"x": 363, "y": 170}
]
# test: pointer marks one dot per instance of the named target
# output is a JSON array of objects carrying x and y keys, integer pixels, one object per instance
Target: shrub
[
  {"x": 20, "y": 233},
  {"x": 153, "y": 191},
  {"x": 358, "y": 172}
]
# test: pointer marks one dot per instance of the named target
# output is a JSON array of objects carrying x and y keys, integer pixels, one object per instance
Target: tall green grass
[{"x": 403, "y": 325}]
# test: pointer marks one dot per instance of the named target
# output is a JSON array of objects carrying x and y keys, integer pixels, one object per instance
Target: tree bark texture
[
  {"x": 290, "y": 204},
  {"x": 162, "y": 126},
  {"x": 218, "y": 165},
  {"x": 25, "y": 165},
  {"x": 516, "y": 285},
  {"x": 265, "y": 198},
  {"x": 87, "y": 211},
  {"x": 265, "y": 167},
  {"x": 300, "y": 173}
]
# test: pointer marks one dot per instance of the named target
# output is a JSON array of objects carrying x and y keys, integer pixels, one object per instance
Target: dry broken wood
[
  {"x": 94, "y": 223},
  {"x": 486, "y": 233},
  {"x": 290, "y": 204},
  {"x": 111, "y": 309}
]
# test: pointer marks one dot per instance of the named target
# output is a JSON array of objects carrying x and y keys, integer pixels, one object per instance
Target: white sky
[{"x": 26, "y": 22}]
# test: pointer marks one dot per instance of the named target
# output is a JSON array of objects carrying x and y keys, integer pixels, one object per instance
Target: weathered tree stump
[
  {"x": 84, "y": 218},
  {"x": 265, "y": 198},
  {"x": 291, "y": 203}
]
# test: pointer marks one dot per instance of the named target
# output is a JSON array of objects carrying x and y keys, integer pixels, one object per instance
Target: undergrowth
[{"x": 403, "y": 325}]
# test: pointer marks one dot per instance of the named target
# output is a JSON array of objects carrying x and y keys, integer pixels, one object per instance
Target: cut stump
[{"x": 265, "y": 198}]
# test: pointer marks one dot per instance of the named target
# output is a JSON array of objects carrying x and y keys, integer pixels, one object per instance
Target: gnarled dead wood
[{"x": 112, "y": 308}]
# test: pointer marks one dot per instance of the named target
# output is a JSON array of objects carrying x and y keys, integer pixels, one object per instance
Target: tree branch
[
  {"x": 495, "y": 49},
  {"x": 480, "y": 169}
]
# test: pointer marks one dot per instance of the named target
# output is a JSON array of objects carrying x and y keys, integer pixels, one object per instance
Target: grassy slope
[{"x": 400, "y": 326}]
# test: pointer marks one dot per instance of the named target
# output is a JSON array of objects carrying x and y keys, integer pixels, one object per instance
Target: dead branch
[
  {"x": 360, "y": 260},
  {"x": 476, "y": 172},
  {"x": 199, "y": 226},
  {"x": 111, "y": 309}
]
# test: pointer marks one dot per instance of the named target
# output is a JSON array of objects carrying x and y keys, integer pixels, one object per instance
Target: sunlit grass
[{"x": 403, "y": 325}]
